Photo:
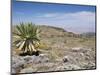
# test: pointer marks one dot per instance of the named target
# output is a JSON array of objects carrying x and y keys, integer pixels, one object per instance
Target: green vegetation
[{"x": 27, "y": 37}]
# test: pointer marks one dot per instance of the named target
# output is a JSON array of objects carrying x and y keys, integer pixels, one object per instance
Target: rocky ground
[
  {"x": 74, "y": 59},
  {"x": 60, "y": 50}
]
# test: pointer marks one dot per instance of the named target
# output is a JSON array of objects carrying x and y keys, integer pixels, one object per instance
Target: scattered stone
[
  {"x": 65, "y": 59},
  {"x": 82, "y": 54},
  {"x": 76, "y": 48}
]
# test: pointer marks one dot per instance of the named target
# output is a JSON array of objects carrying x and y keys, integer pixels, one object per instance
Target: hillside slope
[{"x": 60, "y": 50}]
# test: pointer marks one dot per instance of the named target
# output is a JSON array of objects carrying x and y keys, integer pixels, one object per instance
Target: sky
[{"x": 74, "y": 18}]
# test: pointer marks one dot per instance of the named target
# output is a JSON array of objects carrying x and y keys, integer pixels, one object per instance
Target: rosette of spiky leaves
[{"x": 26, "y": 37}]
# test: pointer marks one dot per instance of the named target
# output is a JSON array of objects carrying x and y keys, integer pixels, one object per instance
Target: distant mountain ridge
[
  {"x": 60, "y": 32},
  {"x": 88, "y": 34},
  {"x": 50, "y": 31}
]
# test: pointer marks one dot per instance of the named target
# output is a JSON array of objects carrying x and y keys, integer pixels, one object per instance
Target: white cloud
[
  {"x": 76, "y": 15},
  {"x": 83, "y": 21},
  {"x": 47, "y": 15},
  {"x": 19, "y": 13}
]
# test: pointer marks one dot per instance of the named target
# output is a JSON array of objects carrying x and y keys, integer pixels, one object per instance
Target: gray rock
[
  {"x": 89, "y": 65},
  {"x": 76, "y": 49},
  {"x": 65, "y": 59},
  {"x": 41, "y": 59},
  {"x": 17, "y": 64},
  {"x": 68, "y": 67},
  {"x": 17, "y": 60},
  {"x": 13, "y": 71},
  {"x": 35, "y": 59},
  {"x": 27, "y": 58},
  {"x": 27, "y": 70}
]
